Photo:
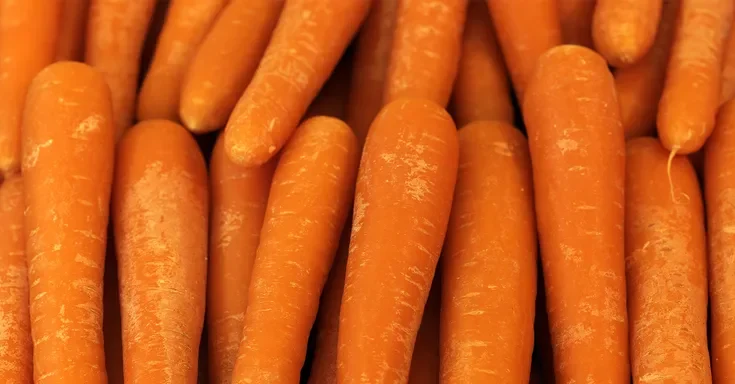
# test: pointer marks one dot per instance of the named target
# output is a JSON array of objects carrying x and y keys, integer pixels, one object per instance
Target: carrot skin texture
[
  {"x": 489, "y": 262},
  {"x": 68, "y": 147},
  {"x": 728, "y": 69},
  {"x": 425, "y": 359},
  {"x": 624, "y": 30},
  {"x": 577, "y": 149},
  {"x": 402, "y": 202},
  {"x": 576, "y": 21},
  {"x": 160, "y": 208},
  {"x": 73, "y": 30}
]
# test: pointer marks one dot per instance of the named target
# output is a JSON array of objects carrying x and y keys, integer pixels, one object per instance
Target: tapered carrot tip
[{"x": 253, "y": 149}]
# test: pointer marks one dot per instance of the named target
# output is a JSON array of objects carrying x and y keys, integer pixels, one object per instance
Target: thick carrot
[
  {"x": 115, "y": 34},
  {"x": 332, "y": 98},
  {"x": 15, "y": 333},
  {"x": 624, "y": 30},
  {"x": 691, "y": 96},
  {"x": 307, "y": 208},
  {"x": 728, "y": 69},
  {"x": 426, "y": 49},
  {"x": 72, "y": 32},
  {"x": 28, "y": 35},
  {"x": 576, "y": 21},
  {"x": 238, "y": 200},
  {"x": 481, "y": 89},
  {"x": 578, "y": 154},
  {"x": 402, "y": 203},
  {"x": 309, "y": 39},
  {"x": 68, "y": 148},
  {"x": 666, "y": 262},
  {"x": 425, "y": 359},
  {"x": 525, "y": 30},
  {"x": 490, "y": 260}
]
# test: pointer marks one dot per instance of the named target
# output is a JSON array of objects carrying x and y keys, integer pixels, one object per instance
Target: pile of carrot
[{"x": 367, "y": 191}]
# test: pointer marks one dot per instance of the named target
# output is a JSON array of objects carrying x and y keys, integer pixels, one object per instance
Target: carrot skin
[
  {"x": 576, "y": 21},
  {"x": 425, "y": 359},
  {"x": 73, "y": 30},
  {"x": 624, "y": 30},
  {"x": 728, "y": 69}
]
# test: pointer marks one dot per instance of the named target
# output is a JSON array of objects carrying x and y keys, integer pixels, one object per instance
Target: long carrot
[
  {"x": 576, "y": 21},
  {"x": 481, "y": 89},
  {"x": 686, "y": 113},
  {"x": 15, "y": 334},
  {"x": 307, "y": 208},
  {"x": 28, "y": 35},
  {"x": 666, "y": 262},
  {"x": 624, "y": 30},
  {"x": 309, "y": 39},
  {"x": 72, "y": 32},
  {"x": 402, "y": 202},
  {"x": 727, "y": 91},
  {"x": 577, "y": 150},
  {"x": 238, "y": 202},
  {"x": 425, "y": 358},
  {"x": 68, "y": 141},
  {"x": 490, "y": 260}
]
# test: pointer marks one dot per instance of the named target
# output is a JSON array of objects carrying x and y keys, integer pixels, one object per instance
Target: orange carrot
[
  {"x": 309, "y": 39},
  {"x": 666, "y": 262},
  {"x": 239, "y": 196},
  {"x": 577, "y": 150},
  {"x": 402, "y": 203},
  {"x": 490, "y": 260},
  {"x": 73, "y": 28},
  {"x": 332, "y": 98},
  {"x": 576, "y": 21},
  {"x": 426, "y": 49},
  {"x": 425, "y": 359},
  {"x": 187, "y": 22},
  {"x": 159, "y": 216},
  {"x": 28, "y": 34},
  {"x": 307, "y": 208},
  {"x": 68, "y": 141},
  {"x": 481, "y": 90},
  {"x": 15, "y": 333},
  {"x": 686, "y": 113},
  {"x": 728, "y": 69},
  {"x": 115, "y": 35},
  {"x": 624, "y": 30}
]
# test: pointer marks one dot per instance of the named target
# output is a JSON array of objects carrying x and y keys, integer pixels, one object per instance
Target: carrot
[
  {"x": 309, "y": 39},
  {"x": 728, "y": 69},
  {"x": 666, "y": 262},
  {"x": 425, "y": 359},
  {"x": 525, "y": 30},
  {"x": 73, "y": 28},
  {"x": 576, "y": 21},
  {"x": 426, "y": 50},
  {"x": 624, "y": 30},
  {"x": 332, "y": 98},
  {"x": 691, "y": 95},
  {"x": 115, "y": 35},
  {"x": 307, "y": 208},
  {"x": 490, "y": 260},
  {"x": 639, "y": 86},
  {"x": 370, "y": 66},
  {"x": 15, "y": 334},
  {"x": 577, "y": 150},
  {"x": 402, "y": 202},
  {"x": 28, "y": 34},
  {"x": 481, "y": 90},
  {"x": 238, "y": 200},
  {"x": 68, "y": 141}
]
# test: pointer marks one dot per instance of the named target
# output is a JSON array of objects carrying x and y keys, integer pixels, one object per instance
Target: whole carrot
[
  {"x": 309, "y": 39},
  {"x": 489, "y": 260},
  {"x": 68, "y": 148},
  {"x": 72, "y": 32},
  {"x": 624, "y": 30},
  {"x": 425, "y": 359},
  {"x": 402, "y": 202},
  {"x": 728, "y": 69},
  {"x": 307, "y": 208},
  {"x": 576, "y": 21},
  {"x": 577, "y": 150}
]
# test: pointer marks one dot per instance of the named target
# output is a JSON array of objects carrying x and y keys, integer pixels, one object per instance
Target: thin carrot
[
  {"x": 624, "y": 30},
  {"x": 238, "y": 201},
  {"x": 307, "y": 208},
  {"x": 577, "y": 150},
  {"x": 425, "y": 359},
  {"x": 73, "y": 28},
  {"x": 728, "y": 69},
  {"x": 686, "y": 113},
  {"x": 309, "y": 39},
  {"x": 402, "y": 203},
  {"x": 68, "y": 141},
  {"x": 481, "y": 89},
  {"x": 490, "y": 260},
  {"x": 332, "y": 98},
  {"x": 576, "y": 21}
]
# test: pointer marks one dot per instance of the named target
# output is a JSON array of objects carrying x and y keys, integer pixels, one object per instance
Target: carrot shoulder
[
  {"x": 624, "y": 30},
  {"x": 72, "y": 31},
  {"x": 576, "y": 21}
]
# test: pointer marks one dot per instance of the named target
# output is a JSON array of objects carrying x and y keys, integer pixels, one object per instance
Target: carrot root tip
[{"x": 672, "y": 154}]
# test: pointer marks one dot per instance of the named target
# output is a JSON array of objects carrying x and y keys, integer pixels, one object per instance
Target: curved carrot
[
  {"x": 425, "y": 358},
  {"x": 577, "y": 149},
  {"x": 72, "y": 30},
  {"x": 624, "y": 30},
  {"x": 666, "y": 266},
  {"x": 402, "y": 202},
  {"x": 481, "y": 89},
  {"x": 68, "y": 148},
  {"x": 238, "y": 200},
  {"x": 576, "y": 21},
  {"x": 490, "y": 260},
  {"x": 691, "y": 96},
  {"x": 307, "y": 208},
  {"x": 727, "y": 91},
  {"x": 309, "y": 39}
]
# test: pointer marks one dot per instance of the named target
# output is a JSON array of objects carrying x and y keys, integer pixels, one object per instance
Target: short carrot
[
  {"x": 577, "y": 150},
  {"x": 576, "y": 21},
  {"x": 309, "y": 39},
  {"x": 402, "y": 203},
  {"x": 73, "y": 29},
  {"x": 666, "y": 262},
  {"x": 728, "y": 69},
  {"x": 624, "y": 30},
  {"x": 332, "y": 98},
  {"x": 68, "y": 148},
  {"x": 238, "y": 201},
  {"x": 307, "y": 208},
  {"x": 490, "y": 260},
  {"x": 425, "y": 359}
]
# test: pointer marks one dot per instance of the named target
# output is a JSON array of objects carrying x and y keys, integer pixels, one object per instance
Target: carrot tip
[{"x": 672, "y": 154}]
